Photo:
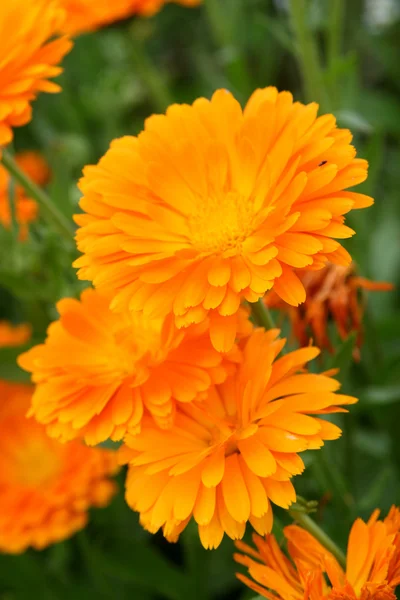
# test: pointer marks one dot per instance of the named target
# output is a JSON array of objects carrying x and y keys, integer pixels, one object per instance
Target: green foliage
[{"x": 108, "y": 92}]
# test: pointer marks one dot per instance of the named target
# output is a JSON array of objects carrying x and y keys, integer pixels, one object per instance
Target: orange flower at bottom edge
[
  {"x": 38, "y": 171},
  {"x": 14, "y": 335},
  {"x": 46, "y": 488},
  {"x": 372, "y": 572},
  {"x": 227, "y": 456},
  {"x": 332, "y": 293}
]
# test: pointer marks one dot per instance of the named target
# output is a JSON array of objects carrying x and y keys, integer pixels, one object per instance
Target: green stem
[
  {"x": 13, "y": 208},
  {"x": 261, "y": 315},
  {"x": 49, "y": 210},
  {"x": 150, "y": 74},
  {"x": 307, "y": 54},
  {"x": 226, "y": 39},
  {"x": 218, "y": 22},
  {"x": 309, "y": 525},
  {"x": 336, "y": 14},
  {"x": 336, "y": 17}
]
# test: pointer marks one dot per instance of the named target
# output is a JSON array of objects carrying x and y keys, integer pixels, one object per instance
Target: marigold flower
[
  {"x": 372, "y": 572},
  {"x": 14, "y": 335},
  {"x": 212, "y": 204},
  {"x": 46, "y": 488},
  {"x": 29, "y": 59},
  {"x": 97, "y": 371},
  {"x": 229, "y": 455},
  {"x": 38, "y": 171},
  {"x": 332, "y": 293}
]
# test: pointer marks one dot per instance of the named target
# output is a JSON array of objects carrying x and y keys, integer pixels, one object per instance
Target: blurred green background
[{"x": 344, "y": 55}]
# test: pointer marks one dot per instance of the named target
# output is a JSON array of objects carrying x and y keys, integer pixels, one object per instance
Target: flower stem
[
  {"x": 13, "y": 208},
  {"x": 226, "y": 39},
  {"x": 334, "y": 39},
  {"x": 261, "y": 315},
  {"x": 49, "y": 210},
  {"x": 336, "y": 15},
  {"x": 307, "y": 54},
  {"x": 150, "y": 74},
  {"x": 309, "y": 525}
]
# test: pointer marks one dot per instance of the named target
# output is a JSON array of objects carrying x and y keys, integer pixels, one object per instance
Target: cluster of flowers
[
  {"x": 209, "y": 210},
  {"x": 211, "y": 206}
]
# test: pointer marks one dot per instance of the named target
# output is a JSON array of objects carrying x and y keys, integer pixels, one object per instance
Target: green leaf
[
  {"x": 354, "y": 121},
  {"x": 9, "y": 369},
  {"x": 384, "y": 394},
  {"x": 138, "y": 564}
]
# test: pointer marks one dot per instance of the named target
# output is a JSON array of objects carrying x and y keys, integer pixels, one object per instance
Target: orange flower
[
  {"x": 212, "y": 204},
  {"x": 229, "y": 455},
  {"x": 29, "y": 59},
  {"x": 331, "y": 294},
  {"x": 372, "y": 572},
  {"x": 98, "y": 370},
  {"x": 46, "y": 488},
  {"x": 14, "y": 335},
  {"x": 26, "y": 209}
]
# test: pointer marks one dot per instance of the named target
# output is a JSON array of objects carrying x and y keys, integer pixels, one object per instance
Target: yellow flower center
[
  {"x": 222, "y": 222},
  {"x": 36, "y": 463}
]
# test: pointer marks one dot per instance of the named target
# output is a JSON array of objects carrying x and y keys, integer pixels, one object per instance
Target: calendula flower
[
  {"x": 97, "y": 371},
  {"x": 30, "y": 50},
  {"x": 213, "y": 204},
  {"x": 312, "y": 573},
  {"x": 332, "y": 294},
  {"x": 46, "y": 488},
  {"x": 26, "y": 209},
  {"x": 14, "y": 335},
  {"x": 227, "y": 456}
]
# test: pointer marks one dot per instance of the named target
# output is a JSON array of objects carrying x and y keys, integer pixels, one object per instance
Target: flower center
[
  {"x": 222, "y": 222},
  {"x": 36, "y": 463}
]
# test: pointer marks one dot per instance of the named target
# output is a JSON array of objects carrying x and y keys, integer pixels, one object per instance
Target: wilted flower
[{"x": 332, "y": 294}]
